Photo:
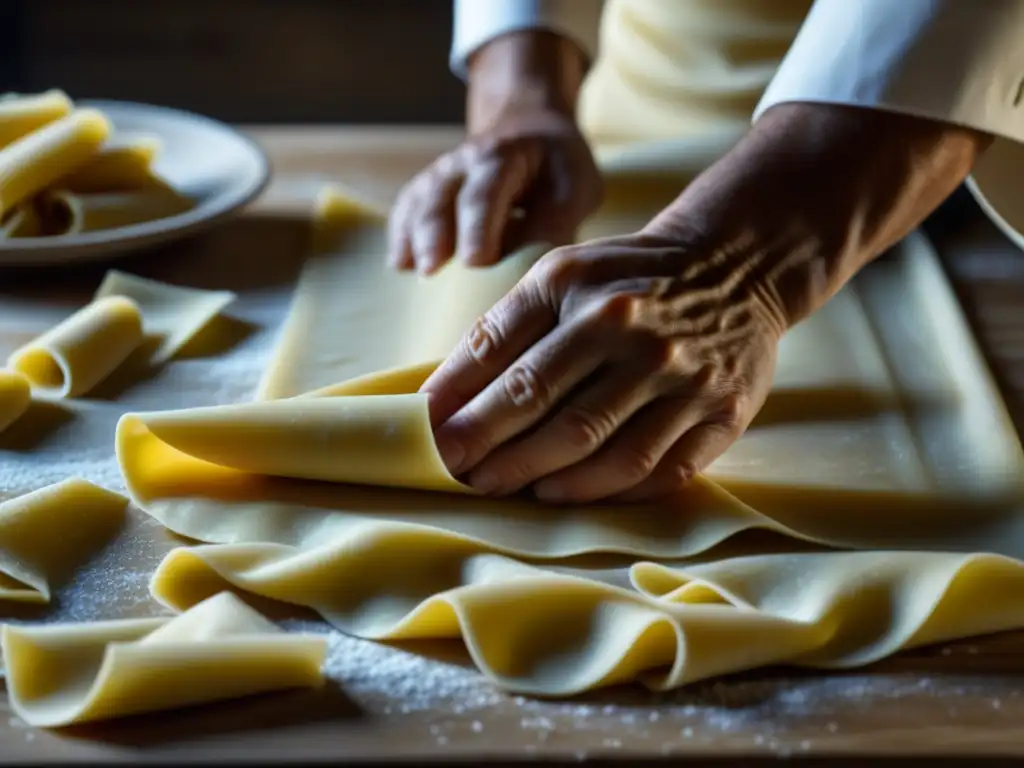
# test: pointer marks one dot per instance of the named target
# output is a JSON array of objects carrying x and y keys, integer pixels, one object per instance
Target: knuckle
[
  {"x": 559, "y": 269},
  {"x": 731, "y": 411},
  {"x": 524, "y": 387},
  {"x": 663, "y": 354},
  {"x": 584, "y": 428},
  {"x": 483, "y": 340},
  {"x": 637, "y": 464},
  {"x": 617, "y": 311},
  {"x": 681, "y": 473}
]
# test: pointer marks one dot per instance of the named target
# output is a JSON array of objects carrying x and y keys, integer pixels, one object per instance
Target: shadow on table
[
  {"x": 265, "y": 712},
  {"x": 34, "y": 427}
]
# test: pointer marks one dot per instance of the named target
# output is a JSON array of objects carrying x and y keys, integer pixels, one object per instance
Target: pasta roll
[
  {"x": 23, "y": 221},
  {"x": 77, "y": 354},
  {"x": 123, "y": 165},
  {"x": 32, "y": 163},
  {"x": 15, "y": 397},
  {"x": 66, "y": 213},
  {"x": 20, "y": 114}
]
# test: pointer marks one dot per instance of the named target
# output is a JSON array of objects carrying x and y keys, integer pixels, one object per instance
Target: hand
[
  {"x": 618, "y": 368},
  {"x": 528, "y": 178}
]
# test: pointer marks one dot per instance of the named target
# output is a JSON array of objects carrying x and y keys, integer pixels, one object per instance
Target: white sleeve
[
  {"x": 957, "y": 61},
  {"x": 479, "y": 21}
]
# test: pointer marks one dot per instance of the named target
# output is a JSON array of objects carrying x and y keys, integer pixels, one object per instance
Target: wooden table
[{"x": 964, "y": 699}]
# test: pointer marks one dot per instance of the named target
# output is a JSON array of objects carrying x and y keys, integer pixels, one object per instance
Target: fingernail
[
  {"x": 549, "y": 490},
  {"x": 452, "y": 453}
]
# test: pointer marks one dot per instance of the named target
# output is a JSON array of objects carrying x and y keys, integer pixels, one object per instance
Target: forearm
[
  {"x": 814, "y": 193},
  {"x": 522, "y": 71}
]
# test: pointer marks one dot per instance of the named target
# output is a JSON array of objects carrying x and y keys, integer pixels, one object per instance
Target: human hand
[
  {"x": 618, "y": 368},
  {"x": 529, "y": 177}
]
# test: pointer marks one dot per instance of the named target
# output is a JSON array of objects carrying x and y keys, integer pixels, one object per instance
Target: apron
[{"x": 676, "y": 82}]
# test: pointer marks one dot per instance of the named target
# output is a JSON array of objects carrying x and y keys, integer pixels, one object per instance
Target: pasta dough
[
  {"x": 15, "y": 397},
  {"x": 278, "y": 490},
  {"x": 220, "y": 649},
  {"x": 79, "y": 353},
  {"x": 21, "y": 115},
  {"x": 63, "y": 173},
  {"x": 171, "y": 314},
  {"x": 33, "y": 162},
  {"x": 68, "y": 213},
  {"x": 125, "y": 164},
  {"x": 45, "y": 532}
]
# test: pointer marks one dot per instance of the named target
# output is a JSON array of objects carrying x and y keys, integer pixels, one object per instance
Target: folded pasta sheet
[
  {"x": 15, "y": 397},
  {"x": 80, "y": 352},
  {"x": 64, "y": 171},
  {"x": 328, "y": 493},
  {"x": 124, "y": 164},
  {"x": 76, "y": 355},
  {"x": 20, "y": 114},
  {"x": 62, "y": 674},
  {"x": 71, "y": 213},
  {"x": 48, "y": 531},
  {"x": 35, "y": 161},
  {"x": 171, "y": 314},
  {"x": 550, "y": 632},
  {"x": 23, "y": 221}
]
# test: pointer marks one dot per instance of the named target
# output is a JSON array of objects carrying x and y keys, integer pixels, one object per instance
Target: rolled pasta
[
  {"x": 77, "y": 354},
  {"x": 23, "y": 221},
  {"x": 125, "y": 164},
  {"x": 34, "y": 162},
  {"x": 15, "y": 397},
  {"x": 20, "y": 114},
  {"x": 66, "y": 213}
]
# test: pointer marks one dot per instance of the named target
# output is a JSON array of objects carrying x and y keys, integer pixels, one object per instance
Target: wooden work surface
[{"x": 964, "y": 699}]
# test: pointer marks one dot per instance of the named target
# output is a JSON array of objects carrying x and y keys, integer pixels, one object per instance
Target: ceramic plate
[{"x": 210, "y": 162}]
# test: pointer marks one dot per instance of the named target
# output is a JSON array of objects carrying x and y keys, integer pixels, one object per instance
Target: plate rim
[{"x": 106, "y": 243}]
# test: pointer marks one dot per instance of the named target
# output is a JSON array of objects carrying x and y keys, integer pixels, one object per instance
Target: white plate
[{"x": 210, "y": 162}]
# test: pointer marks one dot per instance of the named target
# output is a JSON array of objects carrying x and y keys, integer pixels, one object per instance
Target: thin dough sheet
[
  {"x": 282, "y": 492},
  {"x": 58, "y": 675},
  {"x": 127, "y": 314},
  {"x": 45, "y": 533},
  {"x": 548, "y": 632}
]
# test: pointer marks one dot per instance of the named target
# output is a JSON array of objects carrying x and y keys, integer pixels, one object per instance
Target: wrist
[
  {"x": 814, "y": 192},
  {"x": 523, "y": 72}
]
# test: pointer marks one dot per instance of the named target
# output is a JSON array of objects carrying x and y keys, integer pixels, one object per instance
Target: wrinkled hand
[
  {"x": 530, "y": 178},
  {"x": 616, "y": 369}
]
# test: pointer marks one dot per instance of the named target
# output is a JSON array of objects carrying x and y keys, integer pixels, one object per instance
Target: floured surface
[{"x": 403, "y": 702}]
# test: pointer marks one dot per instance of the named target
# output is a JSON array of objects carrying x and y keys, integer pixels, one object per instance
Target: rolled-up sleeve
[
  {"x": 477, "y": 22},
  {"x": 957, "y": 61}
]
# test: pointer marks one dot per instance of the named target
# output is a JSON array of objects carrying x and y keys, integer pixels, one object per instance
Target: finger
[
  {"x": 520, "y": 397},
  {"x": 694, "y": 452},
  {"x": 496, "y": 340},
  {"x": 627, "y": 459},
  {"x": 578, "y": 429},
  {"x": 485, "y": 205},
  {"x": 400, "y": 254},
  {"x": 433, "y": 223}
]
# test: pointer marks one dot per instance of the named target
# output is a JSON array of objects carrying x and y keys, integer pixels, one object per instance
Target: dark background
[{"x": 253, "y": 61}]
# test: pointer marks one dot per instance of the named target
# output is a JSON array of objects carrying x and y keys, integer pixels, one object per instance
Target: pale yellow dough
[
  {"x": 288, "y": 495},
  {"x": 80, "y": 352},
  {"x": 58, "y": 675},
  {"x": 76, "y": 355},
  {"x": 48, "y": 531},
  {"x": 171, "y": 314},
  {"x": 15, "y": 397}
]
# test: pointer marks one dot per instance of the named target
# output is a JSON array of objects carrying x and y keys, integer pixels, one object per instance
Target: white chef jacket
[{"x": 654, "y": 73}]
